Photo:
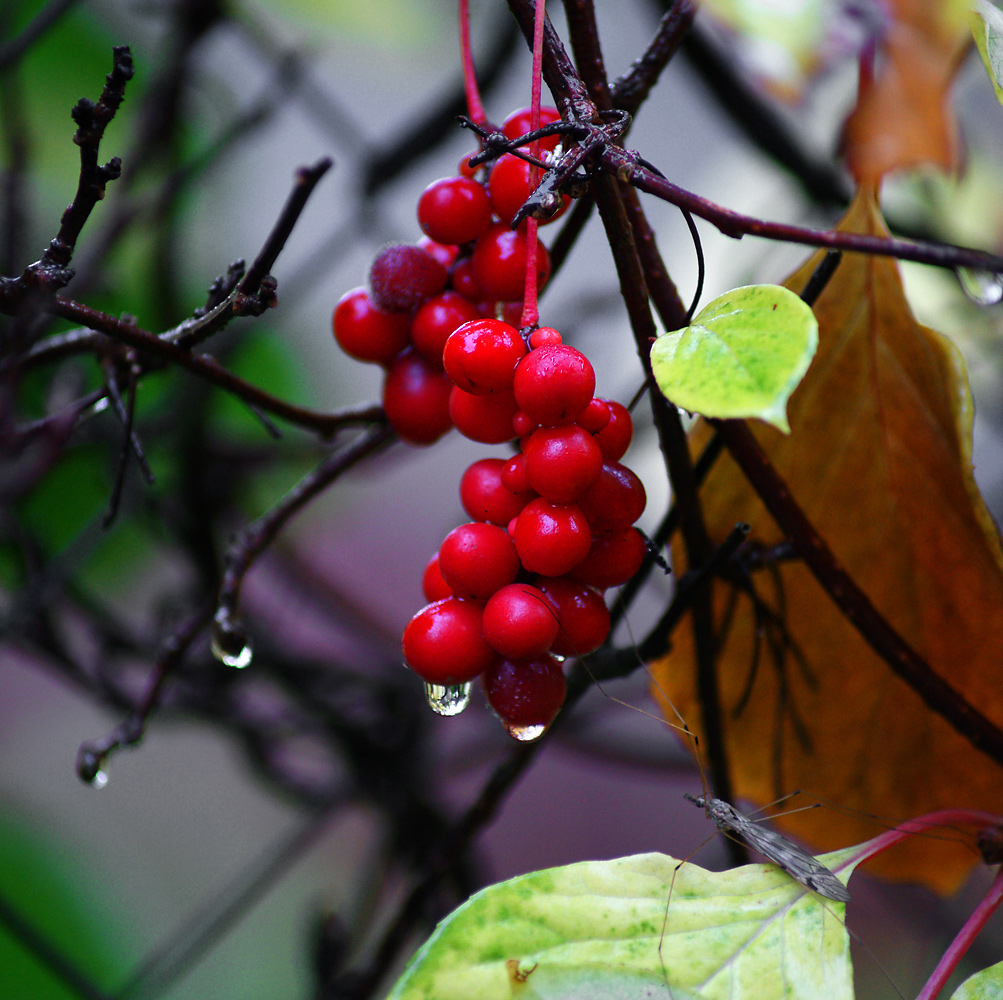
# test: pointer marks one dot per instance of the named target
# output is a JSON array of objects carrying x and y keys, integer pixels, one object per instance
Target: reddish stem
[
  {"x": 475, "y": 110},
  {"x": 530, "y": 310}
]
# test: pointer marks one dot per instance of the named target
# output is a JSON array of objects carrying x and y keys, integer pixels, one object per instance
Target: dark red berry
[
  {"x": 614, "y": 501},
  {"x": 416, "y": 399},
  {"x": 519, "y": 622},
  {"x": 444, "y": 644},
  {"x": 554, "y": 384},
  {"x": 500, "y": 263},
  {"x": 486, "y": 498},
  {"x": 582, "y": 616},
  {"x": 552, "y": 538},
  {"x": 614, "y": 439},
  {"x": 476, "y": 559},
  {"x": 432, "y": 584},
  {"x": 525, "y": 694},
  {"x": 612, "y": 560},
  {"x": 454, "y": 210},
  {"x": 562, "y": 462},
  {"x": 403, "y": 276},
  {"x": 487, "y": 419},
  {"x": 436, "y": 319},
  {"x": 481, "y": 355},
  {"x": 511, "y": 183},
  {"x": 366, "y": 332},
  {"x": 520, "y": 122},
  {"x": 463, "y": 280}
]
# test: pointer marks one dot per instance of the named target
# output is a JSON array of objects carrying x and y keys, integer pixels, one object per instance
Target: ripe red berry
[
  {"x": 582, "y": 616},
  {"x": 525, "y": 694},
  {"x": 520, "y": 122},
  {"x": 614, "y": 439},
  {"x": 463, "y": 281},
  {"x": 487, "y": 419},
  {"x": 432, "y": 584},
  {"x": 514, "y": 474},
  {"x": 554, "y": 384},
  {"x": 595, "y": 416},
  {"x": 612, "y": 560},
  {"x": 511, "y": 183},
  {"x": 551, "y": 538},
  {"x": 614, "y": 501},
  {"x": 476, "y": 559},
  {"x": 500, "y": 263},
  {"x": 416, "y": 399},
  {"x": 519, "y": 622},
  {"x": 562, "y": 462},
  {"x": 443, "y": 643},
  {"x": 436, "y": 319},
  {"x": 444, "y": 253},
  {"x": 544, "y": 336},
  {"x": 454, "y": 210},
  {"x": 403, "y": 276},
  {"x": 523, "y": 424},
  {"x": 486, "y": 498},
  {"x": 481, "y": 355},
  {"x": 366, "y": 332}
]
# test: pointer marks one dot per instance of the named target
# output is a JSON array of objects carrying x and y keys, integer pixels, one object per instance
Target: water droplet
[
  {"x": 525, "y": 734},
  {"x": 229, "y": 642},
  {"x": 984, "y": 288},
  {"x": 448, "y": 699},
  {"x": 100, "y": 779}
]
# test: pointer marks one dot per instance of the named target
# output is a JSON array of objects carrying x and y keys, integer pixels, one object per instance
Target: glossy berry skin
[
  {"x": 487, "y": 419},
  {"x": 403, "y": 276},
  {"x": 436, "y": 319},
  {"x": 444, "y": 644},
  {"x": 462, "y": 280},
  {"x": 366, "y": 332},
  {"x": 519, "y": 622},
  {"x": 595, "y": 416},
  {"x": 454, "y": 210},
  {"x": 480, "y": 356},
  {"x": 500, "y": 263},
  {"x": 476, "y": 559},
  {"x": 416, "y": 399},
  {"x": 562, "y": 463},
  {"x": 520, "y": 122},
  {"x": 614, "y": 501},
  {"x": 511, "y": 183},
  {"x": 551, "y": 538},
  {"x": 525, "y": 693},
  {"x": 514, "y": 474},
  {"x": 614, "y": 439},
  {"x": 582, "y": 616},
  {"x": 432, "y": 584},
  {"x": 553, "y": 384},
  {"x": 486, "y": 498},
  {"x": 612, "y": 560},
  {"x": 545, "y": 336}
]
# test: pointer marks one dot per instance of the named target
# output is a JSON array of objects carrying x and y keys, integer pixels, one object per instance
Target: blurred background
[{"x": 272, "y": 821}]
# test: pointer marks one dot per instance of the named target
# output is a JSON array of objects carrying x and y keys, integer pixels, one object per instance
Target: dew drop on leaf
[{"x": 447, "y": 699}]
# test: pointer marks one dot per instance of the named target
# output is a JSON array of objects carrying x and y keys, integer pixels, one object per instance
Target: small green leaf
[
  {"x": 743, "y": 355},
  {"x": 595, "y": 930},
  {"x": 984, "y": 985},
  {"x": 987, "y": 29}
]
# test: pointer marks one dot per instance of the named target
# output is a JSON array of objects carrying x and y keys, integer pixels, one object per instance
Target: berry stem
[
  {"x": 475, "y": 109},
  {"x": 530, "y": 310}
]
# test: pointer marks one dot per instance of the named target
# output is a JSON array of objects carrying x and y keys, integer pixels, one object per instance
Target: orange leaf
[{"x": 880, "y": 460}]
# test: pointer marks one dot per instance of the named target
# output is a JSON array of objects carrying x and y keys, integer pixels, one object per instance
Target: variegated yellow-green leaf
[
  {"x": 742, "y": 356},
  {"x": 987, "y": 29},
  {"x": 614, "y": 929},
  {"x": 984, "y": 985}
]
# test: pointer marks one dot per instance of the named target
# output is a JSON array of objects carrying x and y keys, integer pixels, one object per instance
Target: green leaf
[
  {"x": 987, "y": 29},
  {"x": 595, "y": 930},
  {"x": 984, "y": 985},
  {"x": 743, "y": 355}
]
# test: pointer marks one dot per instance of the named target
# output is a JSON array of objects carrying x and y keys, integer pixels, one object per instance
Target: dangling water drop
[
  {"x": 228, "y": 641},
  {"x": 100, "y": 779},
  {"x": 524, "y": 734},
  {"x": 449, "y": 699},
  {"x": 984, "y": 288}
]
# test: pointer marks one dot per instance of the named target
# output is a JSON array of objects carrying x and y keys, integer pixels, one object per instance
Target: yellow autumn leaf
[{"x": 880, "y": 460}]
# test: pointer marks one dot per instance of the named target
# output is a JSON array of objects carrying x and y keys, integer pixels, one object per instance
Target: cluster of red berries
[{"x": 469, "y": 265}]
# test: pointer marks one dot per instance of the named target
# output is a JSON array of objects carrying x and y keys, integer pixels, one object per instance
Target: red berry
[
  {"x": 432, "y": 584},
  {"x": 595, "y": 416},
  {"x": 416, "y": 399},
  {"x": 514, "y": 474},
  {"x": 554, "y": 384},
  {"x": 614, "y": 501},
  {"x": 612, "y": 560},
  {"x": 582, "y": 616},
  {"x": 523, "y": 424},
  {"x": 511, "y": 183},
  {"x": 525, "y": 694},
  {"x": 486, "y": 498},
  {"x": 481, "y": 355},
  {"x": 545, "y": 336},
  {"x": 444, "y": 253},
  {"x": 487, "y": 419},
  {"x": 552, "y": 538},
  {"x": 500, "y": 263},
  {"x": 463, "y": 281},
  {"x": 520, "y": 122},
  {"x": 477, "y": 559},
  {"x": 519, "y": 622},
  {"x": 403, "y": 276},
  {"x": 436, "y": 319},
  {"x": 443, "y": 643},
  {"x": 454, "y": 210},
  {"x": 614, "y": 438},
  {"x": 366, "y": 332},
  {"x": 562, "y": 462},
  {"x": 463, "y": 168}
]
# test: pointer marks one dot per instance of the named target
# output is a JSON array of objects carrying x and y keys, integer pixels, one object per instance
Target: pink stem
[
  {"x": 475, "y": 110},
  {"x": 530, "y": 310}
]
